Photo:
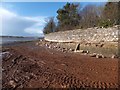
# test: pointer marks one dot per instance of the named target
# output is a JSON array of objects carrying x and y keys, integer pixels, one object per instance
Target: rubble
[
  {"x": 114, "y": 56},
  {"x": 89, "y": 35}
]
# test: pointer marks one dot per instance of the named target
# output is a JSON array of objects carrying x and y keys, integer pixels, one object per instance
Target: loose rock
[
  {"x": 98, "y": 56},
  {"x": 12, "y": 83},
  {"x": 93, "y": 55},
  {"x": 114, "y": 56}
]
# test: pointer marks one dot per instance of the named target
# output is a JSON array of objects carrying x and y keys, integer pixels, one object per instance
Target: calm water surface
[{"x": 5, "y": 40}]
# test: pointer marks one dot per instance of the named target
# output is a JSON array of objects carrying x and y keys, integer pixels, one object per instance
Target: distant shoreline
[
  {"x": 13, "y": 36},
  {"x": 11, "y": 40},
  {"x": 20, "y": 36},
  {"x": 16, "y": 43}
]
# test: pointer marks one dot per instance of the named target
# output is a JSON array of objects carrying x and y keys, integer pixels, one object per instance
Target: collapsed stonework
[
  {"x": 90, "y": 35},
  {"x": 103, "y": 42}
]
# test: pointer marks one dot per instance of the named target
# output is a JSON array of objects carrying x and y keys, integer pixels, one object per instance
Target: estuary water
[{"x": 6, "y": 40}]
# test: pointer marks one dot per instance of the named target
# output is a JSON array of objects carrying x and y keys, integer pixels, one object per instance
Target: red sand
[{"x": 31, "y": 66}]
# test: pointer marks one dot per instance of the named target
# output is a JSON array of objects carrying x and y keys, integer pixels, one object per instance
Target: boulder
[
  {"x": 114, "y": 56},
  {"x": 86, "y": 52},
  {"x": 71, "y": 49},
  {"x": 98, "y": 56},
  {"x": 93, "y": 55},
  {"x": 79, "y": 51},
  {"x": 77, "y": 47}
]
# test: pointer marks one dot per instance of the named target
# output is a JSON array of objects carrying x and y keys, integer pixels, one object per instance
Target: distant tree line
[{"x": 72, "y": 16}]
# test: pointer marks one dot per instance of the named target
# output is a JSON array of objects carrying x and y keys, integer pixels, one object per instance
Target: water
[{"x": 6, "y": 40}]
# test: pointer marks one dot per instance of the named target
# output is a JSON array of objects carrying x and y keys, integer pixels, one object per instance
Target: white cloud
[{"x": 14, "y": 24}]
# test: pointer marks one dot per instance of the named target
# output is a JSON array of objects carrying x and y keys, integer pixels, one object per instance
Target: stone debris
[
  {"x": 93, "y": 55},
  {"x": 37, "y": 43},
  {"x": 99, "y": 56},
  {"x": 80, "y": 47},
  {"x": 53, "y": 71},
  {"x": 77, "y": 47},
  {"x": 12, "y": 83},
  {"x": 89, "y": 35},
  {"x": 86, "y": 52},
  {"x": 103, "y": 56},
  {"x": 65, "y": 47},
  {"x": 114, "y": 56},
  {"x": 82, "y": 51},
  {"x": 71, "y": 49}
]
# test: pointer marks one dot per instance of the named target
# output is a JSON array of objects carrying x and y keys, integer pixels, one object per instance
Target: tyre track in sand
[{"x": 16, "y": 71}]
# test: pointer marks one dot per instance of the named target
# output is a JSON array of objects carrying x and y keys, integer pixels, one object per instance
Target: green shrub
[{"x": 105, "y": 23}]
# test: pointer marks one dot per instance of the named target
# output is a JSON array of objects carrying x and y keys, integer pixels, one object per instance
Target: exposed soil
[{"x": 30, "y": 66}]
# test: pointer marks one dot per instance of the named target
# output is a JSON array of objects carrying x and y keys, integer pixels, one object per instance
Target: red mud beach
[{"x": 29, "y": 66}]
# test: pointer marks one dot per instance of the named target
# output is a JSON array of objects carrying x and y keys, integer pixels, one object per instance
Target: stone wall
[{"x": 90, "y": 35}]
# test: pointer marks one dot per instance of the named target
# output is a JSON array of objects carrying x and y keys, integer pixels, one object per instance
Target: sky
[{"x": 29, "y": 18}]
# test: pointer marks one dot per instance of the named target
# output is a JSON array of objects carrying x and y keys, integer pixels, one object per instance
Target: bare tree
[
  {"x": 111, "y": 12},
  {"x": 50, "y": 26},
  {"x": 90, "y": 16}
]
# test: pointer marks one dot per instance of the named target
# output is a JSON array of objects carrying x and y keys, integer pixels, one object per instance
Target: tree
[
  {"x": 50, "y": 26},
  {"x": 109, "y": 15},
  {"x": 90, "y": 16},
  {"x": 118, "y": 21},
  {"x": 111, "y": 12},
  {"x": 68, "y": 17}
]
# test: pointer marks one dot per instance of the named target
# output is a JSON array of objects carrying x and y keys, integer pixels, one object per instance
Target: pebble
[
  {"x": 37, "y": 43},
  {"x": 98, "y": 56},
  {"x": 93, "y": 55},
  {"x": 87, "y": 52},
  {"x": 70, "y": 49},
  {"x": 103, "y": 56},
  {"x": 81, "y": 51},
  {"x": 49, "y": 46},
  {"x": 41, "y": 40},
  {"x": 3, "y": 70},
  {"x": 12, "y": 83},
  {"x": 114, "y": 56}
]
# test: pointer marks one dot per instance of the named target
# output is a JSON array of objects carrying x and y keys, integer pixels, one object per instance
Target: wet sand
[{"x": 30, "y": 66}]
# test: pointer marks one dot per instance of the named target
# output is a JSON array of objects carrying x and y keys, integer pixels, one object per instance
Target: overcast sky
[{"x": 28, "y": 19}]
